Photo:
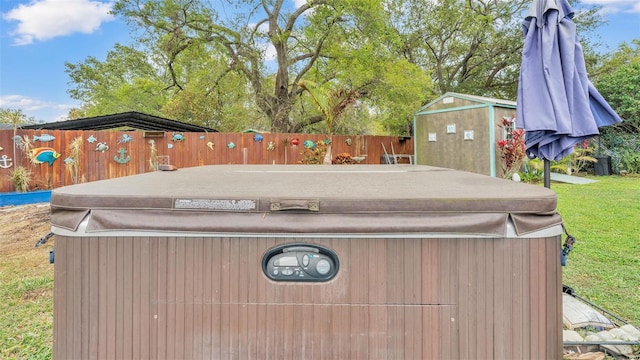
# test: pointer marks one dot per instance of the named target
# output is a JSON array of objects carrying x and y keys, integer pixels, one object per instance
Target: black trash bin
[{"x": 603, "y": 166}]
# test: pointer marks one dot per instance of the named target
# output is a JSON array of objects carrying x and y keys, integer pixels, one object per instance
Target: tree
[
  {"x": 320, "y": 41},
  {"x": 332, "y": 103},
  {"x": 468, "y": 46},
  {"x": 618, "y": 81},
  {"x": 178, "y": 25},
  {"x": 134, "y": 80},
  {"x": 362, "y": 57},
  {"x": 16, "y": 118},
  {"x": 211, "y": 96},
  {"x": 240, "y": 63},
  {"x": 126, "y": 81}
]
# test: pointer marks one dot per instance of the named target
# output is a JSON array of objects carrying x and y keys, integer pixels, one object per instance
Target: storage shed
[
  {"x": 307, "y": 262},
  {"x": 460, "y": 131}
]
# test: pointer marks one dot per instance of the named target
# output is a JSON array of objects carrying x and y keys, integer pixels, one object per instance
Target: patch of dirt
[
  {"x": 35, "y": 294},
  {"x": 21, "y": 227}
]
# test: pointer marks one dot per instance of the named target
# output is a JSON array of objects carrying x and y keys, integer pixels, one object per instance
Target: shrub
[
  {"x": 20, "y": 176},
  {"x": 344, "y": 158}
]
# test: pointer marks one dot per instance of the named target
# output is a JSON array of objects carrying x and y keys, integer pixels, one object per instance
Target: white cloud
[
  {"x": 40, "y": 110},
  {"x": 615, "y": 6},
  {"x": 46, "y": 19},
  {"x": 263, "y": 28},
  {"x": 267, "y": 47},
  {"x": 298, "y": 3},
  {"x": 27, "y": 104},
  {"x": 270, "y": 52}
]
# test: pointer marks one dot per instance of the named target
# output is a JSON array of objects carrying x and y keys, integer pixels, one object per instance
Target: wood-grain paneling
[{"x": 193, "y": 298}]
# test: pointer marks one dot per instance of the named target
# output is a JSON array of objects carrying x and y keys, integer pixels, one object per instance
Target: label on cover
[{"x": 210, "y": 204}]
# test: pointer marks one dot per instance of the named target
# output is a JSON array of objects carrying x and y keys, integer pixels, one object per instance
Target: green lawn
[
  {"x": 26, "y": 306},
  {"x": 604, "y": 266}
]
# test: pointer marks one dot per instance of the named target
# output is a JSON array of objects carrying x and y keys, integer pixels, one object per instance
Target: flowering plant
[
  {"x": 512, "y": 148},
  {"x": 344, "y": 158}
]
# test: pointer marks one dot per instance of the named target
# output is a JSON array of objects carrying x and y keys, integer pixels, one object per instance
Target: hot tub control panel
[{"x": 300, "y": 262}]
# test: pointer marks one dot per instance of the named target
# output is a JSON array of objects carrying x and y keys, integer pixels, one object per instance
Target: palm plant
[
  {"x": 333, "y": 103},
  {"x": 577, "y": 161}
]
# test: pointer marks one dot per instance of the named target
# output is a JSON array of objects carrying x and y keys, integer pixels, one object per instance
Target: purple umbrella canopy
[{"x": 557, "y": 104}]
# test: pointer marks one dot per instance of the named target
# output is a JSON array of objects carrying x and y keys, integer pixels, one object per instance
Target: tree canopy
[
  {"x": 14, "y": 117},
  {"x": 619, "y": 82},
  {"x": 237, "y": 65}
]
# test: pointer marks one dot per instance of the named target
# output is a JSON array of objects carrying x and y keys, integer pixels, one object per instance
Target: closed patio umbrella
[{"x": 557, "y": 105}]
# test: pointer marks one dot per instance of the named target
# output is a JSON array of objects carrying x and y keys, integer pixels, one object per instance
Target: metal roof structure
[
  {"x": 133, "y": 120},
  {"x": 479, "y": 99}
]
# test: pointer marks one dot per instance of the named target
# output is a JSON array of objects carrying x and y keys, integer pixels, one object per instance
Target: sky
[{"x": 37, "y": 37}]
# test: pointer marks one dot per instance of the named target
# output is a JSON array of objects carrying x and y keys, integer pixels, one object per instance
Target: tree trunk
[
  {"x": 327, "y": 156},
  {"x": 280, "y": 120}
]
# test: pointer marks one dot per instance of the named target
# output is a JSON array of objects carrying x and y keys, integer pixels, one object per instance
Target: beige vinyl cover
[{"x": 313, "y": 199}]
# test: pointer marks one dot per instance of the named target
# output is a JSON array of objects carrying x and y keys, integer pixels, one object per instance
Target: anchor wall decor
[
  {"x": 122, "y": 159},
  {"x": 5, "y": 162}
]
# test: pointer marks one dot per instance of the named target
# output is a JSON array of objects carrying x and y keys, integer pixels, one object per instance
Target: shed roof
[
  {"x": 479, "y": 99},
  {"x": 130, "y": 119}
]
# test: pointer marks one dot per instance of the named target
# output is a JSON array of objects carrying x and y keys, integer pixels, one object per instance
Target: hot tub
[{"x": 307, "y": 262}]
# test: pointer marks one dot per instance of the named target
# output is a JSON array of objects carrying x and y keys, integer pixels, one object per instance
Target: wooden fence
[{"x": 130, "y": 152}]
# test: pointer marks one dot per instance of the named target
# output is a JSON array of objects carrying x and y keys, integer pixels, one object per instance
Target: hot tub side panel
[{"x": 190, "y": 298}]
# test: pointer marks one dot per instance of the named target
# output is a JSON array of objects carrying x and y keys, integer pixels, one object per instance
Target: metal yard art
[
  {"x": 5, "y": 162},
  {"x": 121, "y": 159},
  {"x": 44, "y": 155},
  {"x": 102, "y": 147},
  {"x": 43, "y": 138}
]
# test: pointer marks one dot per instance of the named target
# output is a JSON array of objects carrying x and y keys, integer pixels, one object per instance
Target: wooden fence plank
[{"x": 192, "y": 151}]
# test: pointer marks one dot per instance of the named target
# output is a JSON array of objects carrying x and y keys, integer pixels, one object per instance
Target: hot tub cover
[{"x": 313, "y": 199}]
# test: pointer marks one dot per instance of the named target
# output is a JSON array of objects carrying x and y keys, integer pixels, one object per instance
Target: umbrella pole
[{"x": 547, "y": 173}]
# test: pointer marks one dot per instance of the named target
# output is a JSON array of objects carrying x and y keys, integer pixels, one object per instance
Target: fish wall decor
[
  {"x": 43, "y": 138},
  {"x": 44, "y": 155}
]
